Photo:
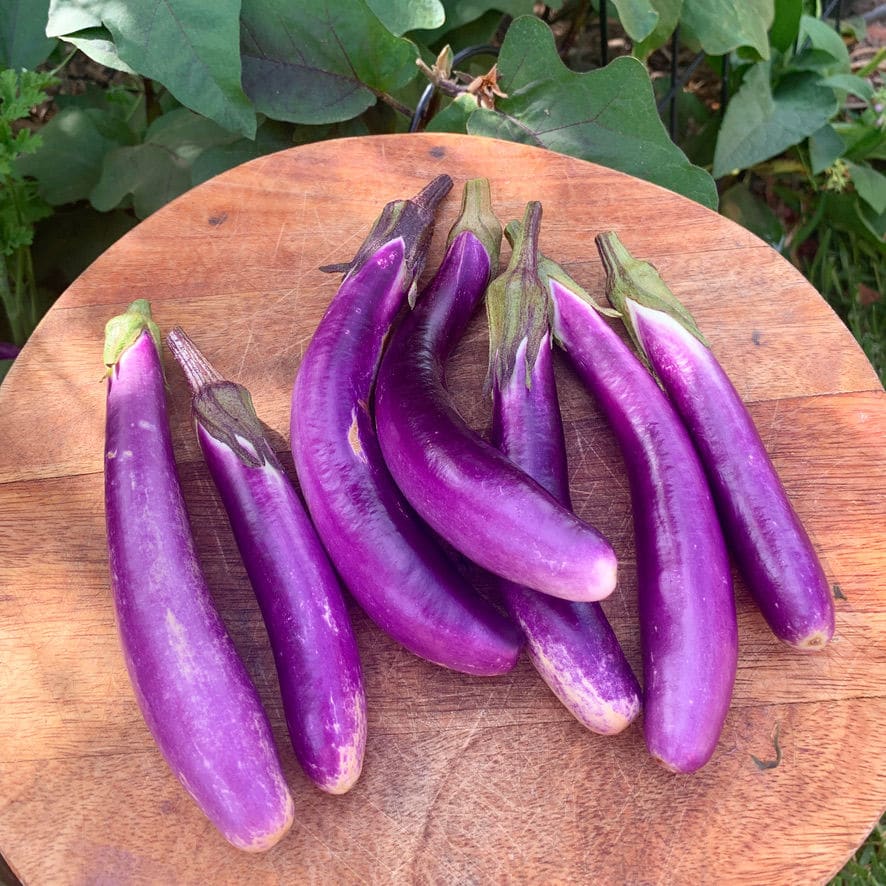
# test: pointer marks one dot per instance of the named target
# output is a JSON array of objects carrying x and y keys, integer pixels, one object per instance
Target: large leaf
[
  {"x": 460, "y": 12},
  {"x": 23, "y": 41},
  {"x": 723, "y": 25},
  {"x": 159, "y": 169},
  {"x": 668, "y": 16},
  {"x": 68, "y": 164},
  {"x": 320, "y": 62},
  {"x": 400, "y": 16},
  {"x": 99, "y": 45},
  {"x": 637, "y": 17},
  {"x": 760, "y": 124},
  {"x": 818, "y": 36},
  {"x": 190, "y": 46},
  {"x": 607, "y": 116}
]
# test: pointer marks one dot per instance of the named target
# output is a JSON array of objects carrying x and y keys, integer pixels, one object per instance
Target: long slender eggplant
[
  {"x": 318, "y": 665},
  {"x": 571, "y": 645},
  {"x": 770, "y": 545},
  {"x": 192, "y": 688},
  {"x": 465, "y": 489},
  {"x": 385, "y": 556},
  {"x": 688, "y": 625}
]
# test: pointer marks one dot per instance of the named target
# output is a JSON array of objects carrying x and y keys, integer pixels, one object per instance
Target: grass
[{"x": 868, "y": 866}]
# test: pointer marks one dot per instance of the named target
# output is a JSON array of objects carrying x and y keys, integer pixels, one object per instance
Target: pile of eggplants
[{"x": 392, "y": 478}]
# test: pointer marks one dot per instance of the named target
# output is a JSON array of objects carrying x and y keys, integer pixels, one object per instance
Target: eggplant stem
[{"x": 197, "y": 369}]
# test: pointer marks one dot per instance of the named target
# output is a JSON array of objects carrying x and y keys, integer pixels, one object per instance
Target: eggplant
[
  {"x": 688, "y": 624},
  {"x": 385, "y": 556},
  {"x": 464, "y": 488},
  {"x": 571, "y": 645},
  {"x": 301, "y": 601},
  {"x": 768, "y": 541},
  {"x": 191, "y": 686}
]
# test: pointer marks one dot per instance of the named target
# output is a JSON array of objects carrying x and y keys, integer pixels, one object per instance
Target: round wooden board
[{"x": 467, "y": 780}]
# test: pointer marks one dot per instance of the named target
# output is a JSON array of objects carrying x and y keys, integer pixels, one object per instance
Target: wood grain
[{"x": 467, "y": 780}]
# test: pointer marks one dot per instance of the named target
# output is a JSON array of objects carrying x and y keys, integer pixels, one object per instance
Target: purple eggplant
[
  {"x": 318, "y": 665},
  {"x": 192, "y": 688},
  {"x": 385, "y": 556},
  {"x": 571, "y": 645},
  {"x": 465, "y": 489},
  {"x": 770, "y": 545},
  {"x": 688, "y": 625},
  {"x": 8, "y": 351}
]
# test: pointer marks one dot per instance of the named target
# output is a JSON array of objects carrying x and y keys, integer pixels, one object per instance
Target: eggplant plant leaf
[
  {"x": 637, "y": 17},
  {"x": 23, "y": 40},
  {"x": 870, "y": 185},
  {"x": 607, "y": 115},
  {"x": 785, "y": 24},
  {"x": 69, "y": 163},
  {"x": 723, "y": 25},
  {"x": 400, "y": 16},
  {"x": 760, "y": 123},
  {"x": 668, "y": 16},
  {"x": 825, "y": 145},
  {"x": 154, "y": 172},
  {"x": 190, "y": 47},
  {"x": 320, "y": 62}
]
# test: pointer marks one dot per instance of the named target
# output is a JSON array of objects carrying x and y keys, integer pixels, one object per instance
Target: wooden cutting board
[{"x": 467, "y": 780}]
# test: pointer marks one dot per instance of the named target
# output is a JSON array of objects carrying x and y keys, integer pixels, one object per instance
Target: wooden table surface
[{"x": 467, "y": 780}]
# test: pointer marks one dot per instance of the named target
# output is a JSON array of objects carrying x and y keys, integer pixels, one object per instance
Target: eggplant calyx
[
  {"x": 412, "y": 221},
  {"x": 123, "y": 331},
  {"x": 517, "y": 305},
  {"x": 222, "y": 408},
  {"x": 629, "y": 279},
  {"x": 477, "y": 217}
]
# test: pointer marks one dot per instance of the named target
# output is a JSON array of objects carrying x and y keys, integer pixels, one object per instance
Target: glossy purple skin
[
  {"x": 571, "y": 645},
  {"x": 768, "y": 541},
  {"x": 192, "y": 688},
  {"x": 688, "y": 627},
  {"x": 386, "y": 558},
  {"x": 318, "y": 665},
  {"x": 8, "y": 351},
  {"x": 465, "y": 489}
]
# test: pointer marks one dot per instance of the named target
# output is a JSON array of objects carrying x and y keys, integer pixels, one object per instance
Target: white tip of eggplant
[{"x": 264, "y": 842}]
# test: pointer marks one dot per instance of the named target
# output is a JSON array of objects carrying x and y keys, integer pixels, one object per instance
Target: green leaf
[
  {"x": 461, "y": 12},
  {"x": 850, "y": 83},
  {"x": 190, "y": 47},
  {"x": 870, "y": 185},
  {"x": 159, "y": 169},
  {"x": 400, "y": 16},
  {"x": 638, "y": 17},
  {"x": 98, "y": 44},
  {"x": 5, "y": 366},
  {"x": 825, "y": 146},
  {"x": 723, "y": 25},
  {"x": 824, "y": 38},
  {"x": 23, "y": 41},
  {"x": 607, "y": 115},
  {"x": 454, "y": 117},
  {"x": 668, "y": 16},
  {"x": 320, "y": 62},
  {"x": 69, "y": 162},
  {"x": 786, "y": 24},
  {"x": 760, "y": 124},
  {"x": 751, "y": 212}
]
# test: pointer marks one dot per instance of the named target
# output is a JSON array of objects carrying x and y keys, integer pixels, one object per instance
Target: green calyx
[
  {"x": 517, "y": 305},
  {"x": 549, "y": 270},
  {"x": 629, "y": 279},
  {"x": 477, "y": 217},
  {"x": 413, "y": 221},
  {"x": 225, "y": 411},
  {"x": 123, "y": 331}
]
